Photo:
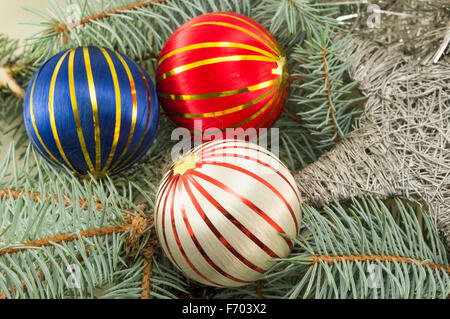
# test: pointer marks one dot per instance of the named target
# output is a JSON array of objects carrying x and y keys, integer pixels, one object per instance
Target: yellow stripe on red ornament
[
  {"x": 284, "y": 78},
  {"x": 76, "y": 114},
  {"x": 33, "y": 121},
  {"x": 215, "y": 45},
  {"x": 229, "y": 25},
  {"x": 93, "y": 96},
  {"x": 280, "y": 97},
  {"x": 274, "y": 46},
  {"x": 251, "y": 88},
  {"x": 232, "y": 58},
  {"x": 226, "y": 111},
  {"x": 118, "y": 108},
  {"x": 260, "y": 111},
  {"x": 51, "y": 112},
  {"x": 134, "y": 113},
  {"x": 264, "y": 108}
]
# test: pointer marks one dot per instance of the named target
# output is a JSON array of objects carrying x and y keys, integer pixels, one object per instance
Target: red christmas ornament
[{"x": 223, "y": 70}]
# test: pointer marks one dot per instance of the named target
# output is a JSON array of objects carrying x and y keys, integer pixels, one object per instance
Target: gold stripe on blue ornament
[
  {"x": 126, "y": 161},
  {"x": 76, "y": 113},
  {"x": 53, "y": 160},
  {"x": 91, "y": 110},
  {"x": 118, "y": 108},
  {"x": 93, "y": 95},
  {"x": 134, "y": 114},
  {"x": 51, "y": 112}
]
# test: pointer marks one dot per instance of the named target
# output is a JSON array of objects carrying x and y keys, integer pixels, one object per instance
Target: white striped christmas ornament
[{"x": 222, "y": 210}]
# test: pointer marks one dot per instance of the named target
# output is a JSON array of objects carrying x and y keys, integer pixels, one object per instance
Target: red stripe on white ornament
[
  {"x": 231, "y": 218},
  {"x": 216, "y": 232},
  {"x": 161, "y": 191},
  {"x": 178, "y": 242},
  {"x": 244, "y": 201},
  {"x": 162, "y": 226},
  {"x": 194, "y": 239},
  {"x": 211, "y": 147},
  {"x": 265, "y": 183},
  {"x": 259, "y": 150},
  {"x": 212, "y": 156},
  {"x": 210, "y": 152}
]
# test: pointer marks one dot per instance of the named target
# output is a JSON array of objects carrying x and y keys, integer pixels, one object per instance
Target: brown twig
[
  {"x": 327, "y": 83},
  {"x": 148, "y": 255},
  {"x": 382, "y": 258},
  {"x": 295, "y": 117},
  {"x": 137, "y": 225},
  {"x": 38, "y": 274},
  {"x": 259, "y": 289},
  {"x": 6, "y": 193},
  {"x": 62, "y": 28},
  {"x": 7, "y": 80},
  {"x": 294, "y": 5},
  {"x": 48, "y": 241}
]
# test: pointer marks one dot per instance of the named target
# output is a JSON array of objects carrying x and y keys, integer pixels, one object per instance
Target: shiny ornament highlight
[
  {"x": 221, "y": 210},
  {"x": 90, "y": 109},
  {"x": 222, "y": 70}
]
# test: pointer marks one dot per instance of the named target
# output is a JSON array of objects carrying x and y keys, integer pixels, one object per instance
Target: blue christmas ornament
[{"x": 90, "y": 109}]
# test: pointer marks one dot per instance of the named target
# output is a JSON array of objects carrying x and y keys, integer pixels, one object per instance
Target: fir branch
[
  {"x": 315, "y": 259},
  {"x": 143, "y": 28},
  {"x": 41, "y": 230},
  {"x": 64, "y": 238},
  {"x": 15, "y": 72},
  {"x": 135, "y": 224},
  {"x": 36, "y": 197},
  {"x": 328, "y": 87},
  {"x": 322, "y": 99},
  {"x": 338, "y": 244},
  {"x": 297, "y": 17},
  {"x": 14, "y": 289},
  {"x": 367, "y": 234},
  {"x": 38, "y": 275},
  {"x": 61, "y": 28}
]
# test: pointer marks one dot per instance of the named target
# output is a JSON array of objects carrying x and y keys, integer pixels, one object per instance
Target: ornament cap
[
  {"x": 185, "y": 163},
  {"x": 282, "y": 70}
]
